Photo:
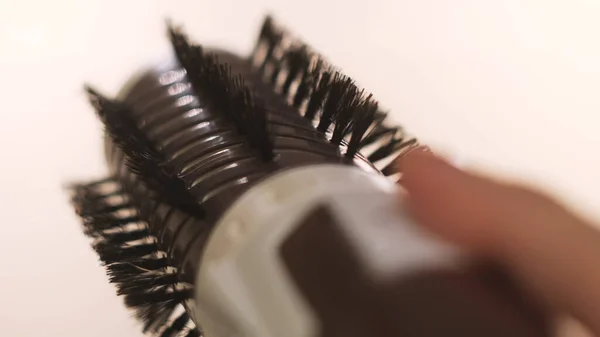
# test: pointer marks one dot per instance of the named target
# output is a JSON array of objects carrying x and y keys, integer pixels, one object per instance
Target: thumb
[
  {"x": 461, "y": 207},
  {"x": 550, "y": 250}
]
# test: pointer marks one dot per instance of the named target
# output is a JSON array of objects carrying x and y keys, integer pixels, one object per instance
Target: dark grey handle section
[{"x": 474, "y": 302}]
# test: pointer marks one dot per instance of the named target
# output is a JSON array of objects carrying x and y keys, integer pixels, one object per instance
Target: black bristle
[
  {"x": 137, "y": 266},
  {"x": 176, "y": 326},
  {"x": 380, "y": 130},
  {"x": 384, "y": 150},
  {"x": 303, "y": 89},
  {"x": 250, "y": 114},
  {"x": 228, "y": 94},
  {"x": 90, "y": 200},
  {"x": 363, "y": 120},
  {"x": 98, "y": 216},
  {"x": 379, "y": 133},
  {"x": 90, "y": 203},
  {"x": 122, "y": 128},
  {"x": 194, "y": 333},
  {"x": 146, "y": 281},
  {"x": 156, "y": 315},
  {"x": 120, "y": 237},
  {"x": 272, "y": 37},
  {"x": 340, "y": 103},
  {"x": 277, "y": 67},
  {"x": 139, "y": 269},
  {"x": 124, "y": 275},
  {"x": 156, "y": 307},
  {"x": 344, "y": 123},
  {"x": 92, "y": 185},
  {"x": 354, "y": 107},
  {"x": 266, "y": 29},
  {"x": 141, "y": 156},
  {"x": 110, "y": 253},
  {"x": 391, "y": 168},
  {"x": 255, "y": 117},
  {"x": 90, "y": 192},
  {"x": 297, "y": 62},
  {"x": 394, "y": 145},
  {"x": 186, "y": 54},
  {"x": 320, "y": 88},
  {"x": 98, "y": 207},
  {"x": 158, "y": 297},
  {"x": 342, "y": 91},
  {"x": 95, "y": 226}
]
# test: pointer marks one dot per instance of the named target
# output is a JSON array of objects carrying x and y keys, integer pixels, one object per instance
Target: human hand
[{"x": 552, "y": 252}]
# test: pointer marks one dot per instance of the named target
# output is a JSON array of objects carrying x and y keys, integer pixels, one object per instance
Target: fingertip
[
  {"x": 453, "y": 203},
  {"x": 412, "y": 164},
  {"x": 424, "y": 172}
]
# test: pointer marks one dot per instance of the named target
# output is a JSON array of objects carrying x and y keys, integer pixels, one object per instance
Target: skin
[{"x": 551, "y": 251}]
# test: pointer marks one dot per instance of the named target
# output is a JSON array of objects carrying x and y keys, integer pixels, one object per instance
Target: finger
[
  {"x": 450, "y": 202},
  {"x": 549, "y": 249}
]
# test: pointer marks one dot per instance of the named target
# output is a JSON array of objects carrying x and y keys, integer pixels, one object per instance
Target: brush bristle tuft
[
  {"x": 141, "y": 156},
  {"x": 225, "y": 92},
  {"x": 134, "y": 261},
  {"x": 326, "y": 96}
]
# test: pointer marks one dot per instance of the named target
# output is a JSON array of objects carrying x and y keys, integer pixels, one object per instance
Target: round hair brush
[{"x": 256, "y": 196}]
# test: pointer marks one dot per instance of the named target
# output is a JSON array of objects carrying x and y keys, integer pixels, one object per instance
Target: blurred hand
[{"x": 551, "y": 251}]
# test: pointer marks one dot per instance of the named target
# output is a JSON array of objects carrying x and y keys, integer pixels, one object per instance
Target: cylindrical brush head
[{"x": 186, "y": 139}]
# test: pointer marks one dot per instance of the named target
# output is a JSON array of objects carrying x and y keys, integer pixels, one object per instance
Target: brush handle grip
[{"x": 326, "y": 251}]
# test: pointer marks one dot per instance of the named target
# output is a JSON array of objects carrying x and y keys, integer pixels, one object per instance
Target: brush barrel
[{"x": 327, "y": 251}]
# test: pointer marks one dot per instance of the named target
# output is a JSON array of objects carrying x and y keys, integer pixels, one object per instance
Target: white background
[{"x": 512, "y": 86}]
